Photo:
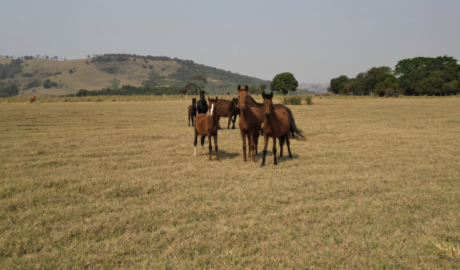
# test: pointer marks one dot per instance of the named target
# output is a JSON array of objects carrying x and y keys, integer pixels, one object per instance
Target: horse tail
[{"x": 293, "y": 126}]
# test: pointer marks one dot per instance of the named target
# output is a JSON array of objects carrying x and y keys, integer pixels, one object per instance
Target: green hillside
[{"x": 50, "y": 77}]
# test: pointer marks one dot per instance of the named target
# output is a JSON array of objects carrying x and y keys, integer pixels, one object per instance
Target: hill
[
  {"x": 50, "y": 77},
  {"x": 314, "y": 87}
]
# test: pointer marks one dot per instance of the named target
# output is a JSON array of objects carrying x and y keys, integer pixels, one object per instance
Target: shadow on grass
[{"x": 227, "y": 155}]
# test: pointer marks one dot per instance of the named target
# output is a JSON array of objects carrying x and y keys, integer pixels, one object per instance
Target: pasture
[{"x": 376, "y": 185}]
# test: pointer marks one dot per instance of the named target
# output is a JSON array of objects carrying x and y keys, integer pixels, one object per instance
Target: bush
[
  {"x": 292, "y": 100},
  {"x": 308, "y": 100},
  {"x": 144, "y": 66},
  {"x": 70, "y": 71},
  {"x": 31, "y": 84},
  {"x": 27, "y": 75},
  {"x": 151, "y": 67}
]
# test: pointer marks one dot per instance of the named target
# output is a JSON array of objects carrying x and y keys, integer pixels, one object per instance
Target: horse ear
[
  {"x": 239, "y": 87},
  {"x": 217, "y": 98},
  {"x": 271, "y": 94},
  {"x": 246, "y": 87}
]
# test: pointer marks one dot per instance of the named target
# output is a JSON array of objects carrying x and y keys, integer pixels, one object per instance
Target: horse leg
[
  {"x": 265, "y": 150},
  {"x": 195, "y": 142},
  {"x": 288, "y": 143},
  {"x": 189, "y": 119},
  {"x": 256, "y": 142},
  {"x": 274, "y": 149},
  {"x": 218, "y": 122},
  {"x": 202, "y": 143},
  {"x": 229, "y": 120},
  {"x": 234, "y": 119},
  {"x": 252, "y": 148},
  {"x": 210, "y": 146},
  {"x": 243, "y": 137},
  {"x": 249, "y": 142},
  {"x": 215, "y": 147},
  {"x": 282, "y": 138},
  {"x": 193, "y": 120}
]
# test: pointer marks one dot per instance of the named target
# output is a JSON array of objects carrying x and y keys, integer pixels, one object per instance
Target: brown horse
[
  {"x": 182, "y": 96},
  {"x": 192, "y": 112},
  {"x": 225, "y": 109},
  {"x": 250, "y": 122},
  {"x": 206, "y": 125},
  {"x": 276, "y": 125},
  {"x": 32, "y": 99},
  {"x": 292, "y": 124}
]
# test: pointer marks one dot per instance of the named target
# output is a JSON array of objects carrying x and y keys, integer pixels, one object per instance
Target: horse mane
[{"x": 257, "y": 103}]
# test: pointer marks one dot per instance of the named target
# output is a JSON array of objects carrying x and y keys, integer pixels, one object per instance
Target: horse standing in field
[
  {"x": 202, "y": 105},
  {"x": 250, "y": 123},
  {"x": 293, "y": 126},
  {"x": 276, "y": 125},
  {"x": 225, "y": 108},
  {"x": 32, "y": 99},
  {"x": 206, "y": 126},
  {"x": 182, "y": 97},
  {"x": 192, "y": 112}
]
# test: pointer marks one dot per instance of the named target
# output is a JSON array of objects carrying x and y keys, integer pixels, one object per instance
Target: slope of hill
[
  {"x": 65, "y": 77},
  {"x": 315, "y": 87}
]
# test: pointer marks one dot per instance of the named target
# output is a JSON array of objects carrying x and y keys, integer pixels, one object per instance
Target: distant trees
[
  {"x": 415, "y": 76},
  {"x": 284, "y": 82},
  {"x": 11, "y": 69},
  {"x": 154, "y": 80},
  {"x": 428, "y": 76},
  {"x": 114, "y": 84},
  {"x": 198, "y": 83},
  {"x": 10, "y": 89}
]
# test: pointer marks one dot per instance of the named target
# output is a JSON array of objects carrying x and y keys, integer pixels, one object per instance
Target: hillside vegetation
[{"x": 51, "y": 77}]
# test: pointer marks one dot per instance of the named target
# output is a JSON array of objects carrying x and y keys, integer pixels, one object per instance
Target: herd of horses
[{"x": 272, "y": 120}]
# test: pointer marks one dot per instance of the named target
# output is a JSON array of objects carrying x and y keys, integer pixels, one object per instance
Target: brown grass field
[{"x": 114, "y": 185}]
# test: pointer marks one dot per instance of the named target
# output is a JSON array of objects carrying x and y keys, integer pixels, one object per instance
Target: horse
[
  {"x": 225, "y": 108},
  {"x": 182, "y": 97},
  {"x": 206, "y": 125},
  {"x": 293, "y": 126},
  {"x": 202, "y": 105},
  {"x": 32, "y": 99},
  {"x": 192, "y": 112},
  {"x": 276, "y": 125},
  {"x": 250, "y": 122}
]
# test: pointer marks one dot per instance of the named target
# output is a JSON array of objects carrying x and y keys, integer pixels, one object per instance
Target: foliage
[
  {"x": 114, "y": 84},
  {"x": 284, "y": 82},
  {"x": 34, "y": 83},
  {"x": 154, "y": 80},
  {"x": 48, "y": 84},
  {"x": 338, "y": 85},
  {"x": 9, "y": 89},
  {"x": 132, "y": 90},
  {"x": 308, "y": 100},
  {"x": 10, "y": 69},
  {"x": 28, "y": 75},
  {"x": 292, "y": 100},
  {"x": 70, "y": 71},
  {"x": 428, "y": 76}
]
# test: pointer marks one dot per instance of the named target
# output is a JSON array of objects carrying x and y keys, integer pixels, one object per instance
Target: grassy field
[{"x": 115, "y": 185}]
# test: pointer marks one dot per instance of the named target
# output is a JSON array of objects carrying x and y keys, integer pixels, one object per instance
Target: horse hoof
[
  {"x": 290, "y": 156},
  {"x": 261, "y": 165},
  {"x": 276, "y": 163}
]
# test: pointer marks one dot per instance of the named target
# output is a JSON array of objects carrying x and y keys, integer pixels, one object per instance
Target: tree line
[{"x": 414, "y": 76}]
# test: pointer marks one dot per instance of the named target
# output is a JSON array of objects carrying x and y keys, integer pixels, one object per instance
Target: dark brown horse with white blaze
[
  {"x": 250, "y": 123},
  {"x": 206, "y": 126},
  {"x": 276, "y": 125}
]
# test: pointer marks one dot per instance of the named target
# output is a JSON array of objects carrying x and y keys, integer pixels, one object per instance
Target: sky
[{"x": 314, "y": 40}]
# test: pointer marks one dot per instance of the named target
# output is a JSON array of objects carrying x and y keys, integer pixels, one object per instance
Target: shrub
[
  {"x": 308, "y": 100},
  {"x": 292, "y": 100},
  {"x": 87, "y": 62},
  {"x": 31, "y": 84},
  {"x": 144, "y": 66},
  {"x": 70, "y": 71},
  {"x": 151, "y": 67},
  {"x": 27, "y": 75}
]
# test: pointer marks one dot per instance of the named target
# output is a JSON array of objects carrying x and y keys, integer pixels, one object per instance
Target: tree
[
  {"x": 89, "y": 56},
  {"x": 338, "y": 85},
  {"x": 284, "y": 82},
  {"x": 262, "y": 88},
  {"x": 115, "y": 83}
]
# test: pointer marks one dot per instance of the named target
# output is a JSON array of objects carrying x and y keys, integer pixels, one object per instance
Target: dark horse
[
  {"x": 276, "y": 125},
  {"x": 202, "y": 105},
  {"x": 250, "y": 122},
  {"x": 192, "y": 112},
  {"x": 226, "y": 108},
  {"x": 206, "y": 126}
]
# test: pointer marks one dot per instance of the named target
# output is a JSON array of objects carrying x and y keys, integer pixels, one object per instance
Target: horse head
[
  {"x": 212, "y": 106},
  {"x": 194, "y": 101},
  {"x": 242, "y": 95},
  {"x": 268, "y": 104}
]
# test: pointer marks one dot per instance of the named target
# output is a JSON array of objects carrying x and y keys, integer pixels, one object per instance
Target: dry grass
[{"x": 114, "y": 185}]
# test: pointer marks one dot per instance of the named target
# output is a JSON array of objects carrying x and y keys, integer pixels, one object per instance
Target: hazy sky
[{"x": 315, "y": 40}]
